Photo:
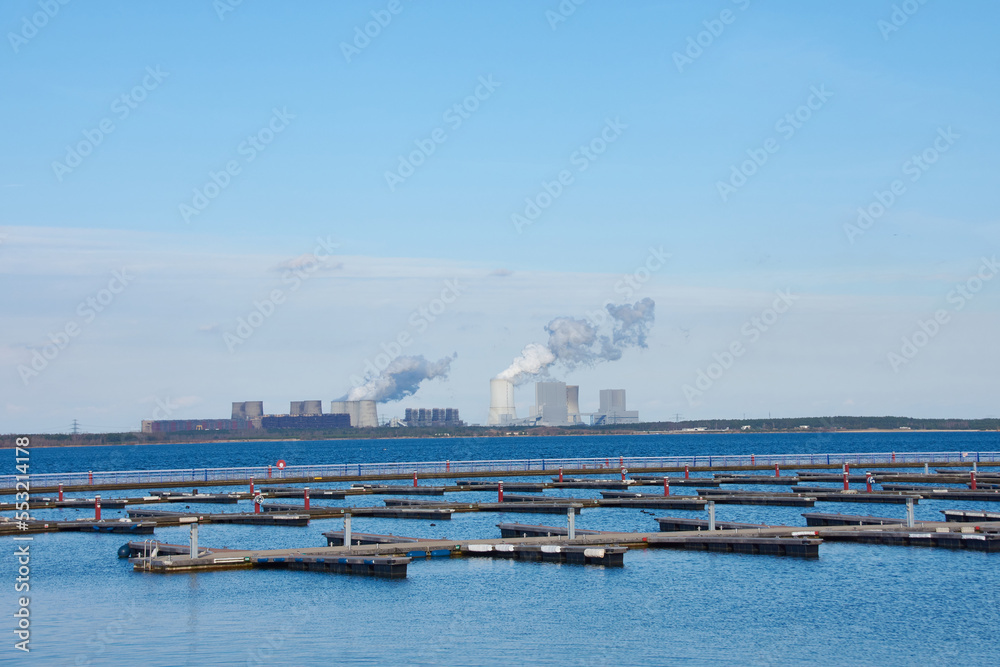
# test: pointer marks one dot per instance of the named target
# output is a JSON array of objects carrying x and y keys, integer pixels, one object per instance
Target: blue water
[{"x": 854, "y": 605}]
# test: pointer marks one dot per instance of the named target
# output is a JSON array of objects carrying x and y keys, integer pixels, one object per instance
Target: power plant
[
  {"x": 363, "y": 414},
  {"x": 556, "y": 404}
]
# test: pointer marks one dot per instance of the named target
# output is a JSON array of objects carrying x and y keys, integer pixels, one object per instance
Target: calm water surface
[{"x": 854, "y": 605}]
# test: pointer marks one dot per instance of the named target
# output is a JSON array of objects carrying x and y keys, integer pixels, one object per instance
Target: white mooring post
[
  {"x": 347, "y": 529},
  {"x": 711, "y": 515},
  {"x": 927, "y": 468},
  {"x": 194, "y": 540},
  {"x": 571, "y": 517},
  {"x": 909, "y": 512}
]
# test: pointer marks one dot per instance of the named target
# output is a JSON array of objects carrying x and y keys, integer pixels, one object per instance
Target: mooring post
[
  {"x": 974, "y": 467},
  {"x": 777, "y": 472},
  {"x": 909, "y": 512},
  {"x": 256, "y": 504},
  {"x": 711, "y": 515},
  {"x": 927, "y": 468},
  {"x": 60, "y": 493},
  {"x": 252, "y": 494},
  {"x": 624, "y": 472},
  {"x": 269, "y": 472},
  {"x": 560, "y": 474},
  {"x": 847, "y": 485},
  {"x": 666, "y": 486},
  {"x": 414, "y": 478},
  {"x": 500, "y": 491},
  {"x": 194, "y": 540},
  {"x": 97, "y": 508},
  {"x": 305, "y": 494},
  {"x": 869, "y": 480},
  {"x": 347, "y": 529},
  {"x": 571, "y": 517},
  {"x": 447, "y": 466},
  {"x": 90, "y": 477},
  {"x": 973, "y": 475},
  {"x": 847, "y": 468},
  {"x": 686, "y": 472}
]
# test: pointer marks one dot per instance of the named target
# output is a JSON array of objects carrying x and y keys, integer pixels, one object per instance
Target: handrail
[{"x": 458, "y": 468}]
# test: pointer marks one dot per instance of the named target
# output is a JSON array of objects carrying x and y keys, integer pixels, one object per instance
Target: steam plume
[
  {"x": 401, "y": 378},
  {"x": 574, "y": 342}
]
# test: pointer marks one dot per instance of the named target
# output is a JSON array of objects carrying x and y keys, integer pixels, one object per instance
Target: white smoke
[
  {"x": 401, "y": 378},
  {"x": 574, "y": 342}
]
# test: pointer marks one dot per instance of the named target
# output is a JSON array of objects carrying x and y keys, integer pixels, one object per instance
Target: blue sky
[{"x": 553, "y": 88}]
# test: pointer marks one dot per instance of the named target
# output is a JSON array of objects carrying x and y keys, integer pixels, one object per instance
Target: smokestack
[{"x": 501, "y": 402}]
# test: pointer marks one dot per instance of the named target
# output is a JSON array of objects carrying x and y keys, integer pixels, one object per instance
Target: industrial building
[
  {"x": 612, "y": 410},
  {"x": 249, "y": 416},
  {"x": 432, "y": 417}
]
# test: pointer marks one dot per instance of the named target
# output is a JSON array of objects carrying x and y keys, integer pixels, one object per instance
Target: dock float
[
  {"x": 820, "y": 519},
  {"x": 676, "y": 481},
  {"x": 164, "y": 517},
  {"x": 968, "y": 516},
  {"x": 765, "y": 546},
  {"x": 515, "y": 530},
  {"x": 744, "y": 498},
  {"x": 941, "y": 538},
  {"x": 670, "y": 524},
  {"x": 550, "y": 553},
  {"x": 335, "y": 538}
]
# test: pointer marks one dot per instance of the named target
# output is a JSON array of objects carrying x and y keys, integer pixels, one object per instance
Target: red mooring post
[
  {"x": 90, "y": 474},
  {"x": 256, "y": 506},
  {"x": 847, "y": 468},
  {"x": 252, "y": 494},
  {"x": 847, "y": 485},
  {"x": 500, "y": 491},
  {"x": 666, "y": 486},
  {"x": 269, "y": 472},
  {"x": 686, "y": 472},
  {"x": 623, "y": 474},
  {"x": 894, "y": 457},
  {"x": 414, "y": 478},
  {"x": 97, "y": 508},
  {"x": 60, "y": 493},
  {"x": 305, "y": 495},
  {"x": 868, "y": 483},
  {"x": 777, "y": 473},
  {"x": 447, "y": 466},
  {"x": 560, "y": 474},
  {"x": 753, "y": 460},
  {"x": 973, "y": 485},
  {"x": 621, "y": 461}
]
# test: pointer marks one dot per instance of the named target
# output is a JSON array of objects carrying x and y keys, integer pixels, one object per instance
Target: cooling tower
[
  {"x": 501, "y": 402},
  {"x": 254, "y": 409},
  {"x": 573, "y": 403},
  {"x": 239, "y": 410},
  {"x": 295, "y": 409},
  {"x": 367, "y": 414},
  {"x": 363, "y": 413},
  {"x": 312, "y": 407}
]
